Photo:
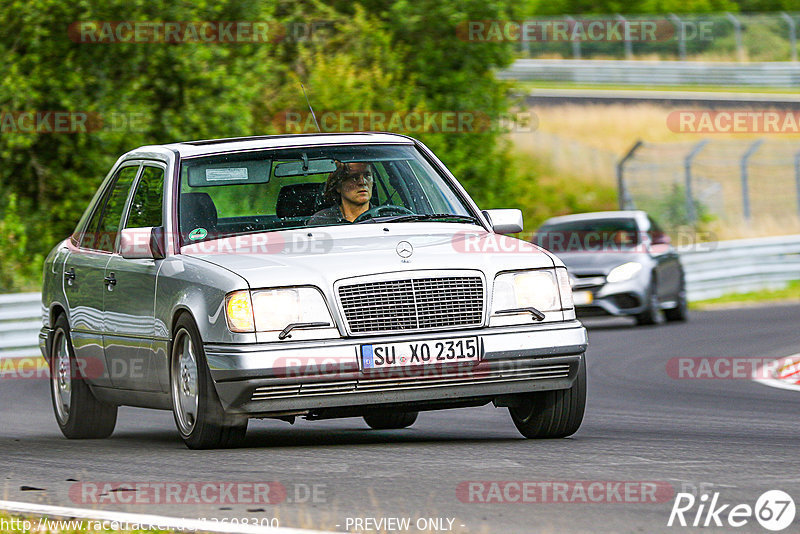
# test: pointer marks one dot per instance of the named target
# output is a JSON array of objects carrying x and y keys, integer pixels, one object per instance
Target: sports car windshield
[{"x": 231, "y": 194}]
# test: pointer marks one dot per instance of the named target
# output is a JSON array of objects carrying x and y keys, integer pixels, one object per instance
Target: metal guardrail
[
  {"x": 712, "y": 270},
  {"x": 632, "y": 72},
  {"x": 740, "y": 265},
  {"x": 20, "y": 322}
]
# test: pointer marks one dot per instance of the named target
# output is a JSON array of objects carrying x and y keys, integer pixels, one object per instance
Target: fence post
[
  {"x": 524, "y": 45},
  {"x": 628, "y": 42},
  {"x": 792, "y": 33},
  {"x": 737, "y": 28},
  {"x": 622, "y": 191},
  {"x": 745, "y": 191},
  {"x": 797, "y": 178},
  {"x": 681, "y": 35},
  {"x": 576, "y": 44},
  {"x": 687, "y": 167}
]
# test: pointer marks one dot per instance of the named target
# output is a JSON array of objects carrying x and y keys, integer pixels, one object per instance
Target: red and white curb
[
  {"x": 146, "y": 520},
  {"x": 785, "y": 375}
]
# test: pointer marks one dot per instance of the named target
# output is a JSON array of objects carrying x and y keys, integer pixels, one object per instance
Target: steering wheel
[{"x": 381, "y": 211}]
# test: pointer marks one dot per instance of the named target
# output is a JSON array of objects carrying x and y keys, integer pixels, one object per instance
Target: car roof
[
  {"x": 597, "y": 216},
  {"x": 205, "y": 147}
]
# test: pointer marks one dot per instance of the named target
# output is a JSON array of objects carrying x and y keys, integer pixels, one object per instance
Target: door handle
[
  {"x": 69, "y": 276},
  {"x": 110, "y": 280}
]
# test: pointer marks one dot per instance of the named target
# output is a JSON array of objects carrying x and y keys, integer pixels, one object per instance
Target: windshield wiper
[{"x": 444, "y": 217}]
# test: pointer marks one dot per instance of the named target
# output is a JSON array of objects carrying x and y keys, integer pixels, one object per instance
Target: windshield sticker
[
  {"x": 197, "y": 233},
  {"x": 226, "y": 175}
]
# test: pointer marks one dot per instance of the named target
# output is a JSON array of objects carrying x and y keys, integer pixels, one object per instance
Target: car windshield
[
  {"x": 588, "y": 235},
  {"x": 231, "y": 194}
]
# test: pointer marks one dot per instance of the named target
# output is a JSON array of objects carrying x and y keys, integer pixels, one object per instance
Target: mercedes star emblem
[{"x": 404, "y": 249}]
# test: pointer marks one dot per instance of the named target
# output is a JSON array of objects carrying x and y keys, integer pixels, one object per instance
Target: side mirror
[
  {"x": 142, "y": 243},
  {"x": 661, "y": 239},
  {"x": 507, "y": 221}
]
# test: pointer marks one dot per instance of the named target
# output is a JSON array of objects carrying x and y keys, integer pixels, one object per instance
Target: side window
[
  {"x": 112, "y": 213},
  {"x": 146, "y": 205},
  {"x": 90, "y": 233}
]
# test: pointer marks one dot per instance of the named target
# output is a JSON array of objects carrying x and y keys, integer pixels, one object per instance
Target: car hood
[
  {"x": 322, "y": 256},
  {"x": 598, "y": 262}
]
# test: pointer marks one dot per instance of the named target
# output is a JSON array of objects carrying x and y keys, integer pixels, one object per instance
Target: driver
[{"x": 349, "y": 188}]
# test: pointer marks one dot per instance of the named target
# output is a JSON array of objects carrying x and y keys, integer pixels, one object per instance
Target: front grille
[
  {"x": 413, "y": 304},
  {"x": 583, "y": 281}
]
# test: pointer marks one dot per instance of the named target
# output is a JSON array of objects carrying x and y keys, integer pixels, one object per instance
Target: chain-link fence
[
  {"x": 744, "y": 182},
  {"x": 710, "y": 37}
]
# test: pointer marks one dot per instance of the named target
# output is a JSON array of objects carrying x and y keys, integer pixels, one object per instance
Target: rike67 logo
[{"x": 774, "y": 510}]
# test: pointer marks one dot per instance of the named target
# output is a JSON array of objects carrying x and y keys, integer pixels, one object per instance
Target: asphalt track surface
[{"x": 735, "y": 437}]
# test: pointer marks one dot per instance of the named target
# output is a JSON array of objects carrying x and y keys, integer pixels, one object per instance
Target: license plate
[
  {"x": 582, "y": 298},
  {"x": 412, "y": 353}
]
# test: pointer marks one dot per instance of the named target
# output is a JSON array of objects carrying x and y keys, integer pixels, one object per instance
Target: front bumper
[
  {"x": 618, "y": 299},
  {"x": 263, "y": 379}
]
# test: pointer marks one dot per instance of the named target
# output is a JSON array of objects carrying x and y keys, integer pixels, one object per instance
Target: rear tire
[
  {"x": 390, "y": 420},
  {"x": 199, "y": 416},
  {"x": 552, "y": 414},
  {"x": 78, "y": 413}
]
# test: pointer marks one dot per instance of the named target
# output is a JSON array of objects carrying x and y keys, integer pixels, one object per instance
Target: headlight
[
  {"x": 275, "y": 309},
  {"x": 623, "y": 272},
  {"x": 526, "y": 289}
]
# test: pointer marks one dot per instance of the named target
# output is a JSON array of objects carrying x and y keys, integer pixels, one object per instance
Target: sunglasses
[{"x": 365, "y": 176}]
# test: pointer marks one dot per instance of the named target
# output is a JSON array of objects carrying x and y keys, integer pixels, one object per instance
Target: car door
[
  {"x": 84, "y": 270},
  {"x": 130, "y": 296}
]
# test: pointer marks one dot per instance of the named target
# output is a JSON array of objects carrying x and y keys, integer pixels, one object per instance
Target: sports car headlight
[
  {"x": 276, "y": 309},
  {"x": 623, "y": 272},
  {"x": 526, "y": 289}
]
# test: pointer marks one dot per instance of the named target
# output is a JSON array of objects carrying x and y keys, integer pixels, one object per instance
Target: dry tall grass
[{"x": 588, "y": 140}]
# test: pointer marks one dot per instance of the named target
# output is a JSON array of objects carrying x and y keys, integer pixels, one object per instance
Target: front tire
[
  {"x": 653, "y": 314},
  {"x": 78, "y": 413},
  {"x": 552, "y": 414},
  {"x": 390, "y": 420},
  {"x": 681, "y": 311},
  {"x": 199, "y": 416}
]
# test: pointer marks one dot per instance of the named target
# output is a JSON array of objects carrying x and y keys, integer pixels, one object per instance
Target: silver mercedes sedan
[{"x": 321, "y": 276}]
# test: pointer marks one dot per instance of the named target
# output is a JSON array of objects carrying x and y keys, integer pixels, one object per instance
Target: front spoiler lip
[
  {"x": 243, "y": 404},
  {"x": 239, "y": 370}
]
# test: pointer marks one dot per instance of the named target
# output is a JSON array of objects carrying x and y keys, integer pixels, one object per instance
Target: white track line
[
  {"x": 780, "y": 383},
  {"x": 161, "y": 522}
]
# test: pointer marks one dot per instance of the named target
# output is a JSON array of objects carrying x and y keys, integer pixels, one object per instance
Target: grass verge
[{"x": 791, "y": 293}]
